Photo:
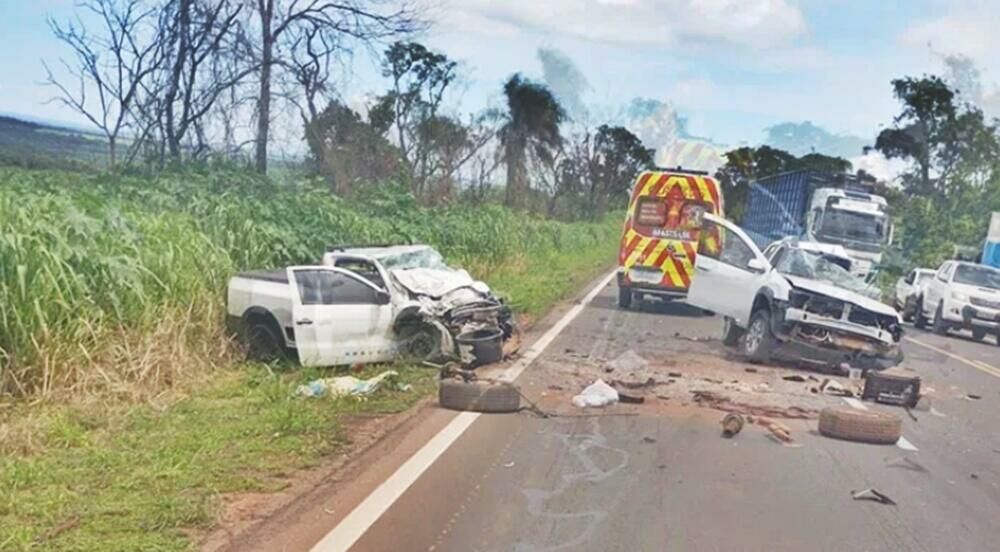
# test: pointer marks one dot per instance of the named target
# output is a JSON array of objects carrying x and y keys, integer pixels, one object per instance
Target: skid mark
[{"x": 585, "y": 469}]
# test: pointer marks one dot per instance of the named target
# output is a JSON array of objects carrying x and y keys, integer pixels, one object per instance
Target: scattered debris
[
  {"x": 894, "y": 389},
  {"x": 751, "y": 370},
  {"x": 700, "y": 339},
  {"x": 554, "y": 387},
  {"x": 906, "y": 463},
  {"x": 648, "y": 440},
  {"x": 974, "y": 396},
  {"x": 675, "y": 374},
  {"x": 509, "y": 465},
  {"x": 629, "y": 361},
  {"x": 910, "y": 414},
  {"x": 974, "y": 476},
  {"x": 732, "y": 424},
  {"x": 873, "y": 495},
  {"x": 344, "y": 385},
  {"x": 725, "y": 404},
  {"x": 596, "y": 395},
  {"x": 631, "y": 398},
  {"x": 831, "y": 387},
  {"x": 762, "y": 387},
  {"x": 778, "y": 431},
  {"x": 636, "y": 384},
  {"x": 795, "y": 377}
]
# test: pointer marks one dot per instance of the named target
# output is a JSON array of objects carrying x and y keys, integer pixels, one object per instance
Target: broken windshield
[
  {"x": 422, "y": 258},
  {"x": 817, "y": 266}
]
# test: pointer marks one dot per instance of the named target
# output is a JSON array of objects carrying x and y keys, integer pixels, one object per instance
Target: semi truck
[{"x": 834, "y": 208}]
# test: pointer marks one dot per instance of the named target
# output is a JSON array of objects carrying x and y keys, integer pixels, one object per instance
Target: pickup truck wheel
[
  {"x": 758, "y": 340},
  {"x": 731, "y": 333},
  {"x": 624, "y": 297},
  {"x": 264, "y": 343},
  {"x": 940, "y": 326},
  {"x": 978, "y": 334},
  {"x": 919, "y": 320},
  {"x": 419, "y": 341}
]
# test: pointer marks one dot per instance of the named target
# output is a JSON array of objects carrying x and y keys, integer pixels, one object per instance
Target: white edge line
[
  {"x": 352, "y": 527},
  {"x": 902, "y": 443}
]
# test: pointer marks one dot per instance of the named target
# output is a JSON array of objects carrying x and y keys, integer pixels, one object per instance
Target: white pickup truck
[
  {"x": 362, "y": 304},
  {"x": 962, "y": 295}
]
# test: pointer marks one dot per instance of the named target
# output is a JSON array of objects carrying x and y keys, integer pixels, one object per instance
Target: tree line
[{"x": 170, "y": 82}]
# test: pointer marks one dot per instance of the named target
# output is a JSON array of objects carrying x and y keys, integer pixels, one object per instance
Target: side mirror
[
  {"x": 757, "y": 265},
  {"x": 382, "y": 297}
]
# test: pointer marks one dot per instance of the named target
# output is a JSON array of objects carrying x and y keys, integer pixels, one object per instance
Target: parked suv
[
  {"x": 962, "y": 295},
  {"x": 798, "y": 303}
]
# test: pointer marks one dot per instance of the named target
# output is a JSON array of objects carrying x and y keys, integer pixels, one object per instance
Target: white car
[
  {"x": 910, "y": 289},
  {"x": 795, "y": 303},
  {"x": 367, "y": 304},
  {"x": 962, "y": 295}
]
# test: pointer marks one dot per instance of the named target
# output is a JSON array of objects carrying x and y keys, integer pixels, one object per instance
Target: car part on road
[
  {"x": 630, "y": 398},
  {"x": 873, "y": 495},
  {"x": 759, "y": 340},
  {"x": 863, "y": 426},
  {"x": 891, "y": 389},
  {"x": 479, "y": 396},
  {"x": 486, "y": 345},
  {"x": 831, "y": 387},
  {"x": 732, "y": 424}
]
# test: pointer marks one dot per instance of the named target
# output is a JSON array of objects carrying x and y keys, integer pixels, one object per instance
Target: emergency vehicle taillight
[{"x": 651, "y": 212}]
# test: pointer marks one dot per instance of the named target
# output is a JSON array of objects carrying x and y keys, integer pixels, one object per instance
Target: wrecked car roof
[
  {"x": 380, "y": 252},
  {"x": 842, "y": 294}
]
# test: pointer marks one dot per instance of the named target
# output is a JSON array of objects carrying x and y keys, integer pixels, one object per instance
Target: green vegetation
[
  {"x": 33, "y": 145},
  {"x": 141, "y": 418}
]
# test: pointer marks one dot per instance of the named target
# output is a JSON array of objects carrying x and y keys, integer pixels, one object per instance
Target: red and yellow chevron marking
[{"x": 674, "y": 257}]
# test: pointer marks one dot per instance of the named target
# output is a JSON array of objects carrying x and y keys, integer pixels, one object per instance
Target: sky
[{"x": 732, "y": 68}]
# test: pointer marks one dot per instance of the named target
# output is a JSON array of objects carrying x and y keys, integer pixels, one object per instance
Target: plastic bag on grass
[{"x": 343, "y": 386}]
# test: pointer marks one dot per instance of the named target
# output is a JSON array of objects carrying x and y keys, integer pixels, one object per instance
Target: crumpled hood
[
  {"x": 831, "y": 290},
  {"x": 436, "y": 283}
]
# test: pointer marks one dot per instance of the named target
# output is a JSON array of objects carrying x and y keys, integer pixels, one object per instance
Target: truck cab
[{"x": 856, "y": 220}]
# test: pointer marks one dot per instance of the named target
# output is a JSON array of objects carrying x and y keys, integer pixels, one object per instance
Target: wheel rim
[
  {"x": 754, "y": 336},
  {"x": 262, "y": 345},
  {"x": 421, "y": 345}
]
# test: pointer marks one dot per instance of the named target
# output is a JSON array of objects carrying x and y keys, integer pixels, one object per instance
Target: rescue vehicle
[{"x": 661, "y": 233}]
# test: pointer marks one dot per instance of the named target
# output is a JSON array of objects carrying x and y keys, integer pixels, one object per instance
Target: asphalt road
[{"x": 659, "y": 476}]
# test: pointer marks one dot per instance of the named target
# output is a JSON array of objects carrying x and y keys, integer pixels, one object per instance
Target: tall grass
[{"x": 119, "y": 283}]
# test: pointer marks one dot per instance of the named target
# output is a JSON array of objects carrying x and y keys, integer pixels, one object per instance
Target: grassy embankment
[{"x": 127, "y": 416}]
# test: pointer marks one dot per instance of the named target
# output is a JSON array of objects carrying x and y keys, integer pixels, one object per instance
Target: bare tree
[
  {"x": 359, "y": 20},
  {"x": 203, "y": 41},
  {"x": 109, "y": 68}
]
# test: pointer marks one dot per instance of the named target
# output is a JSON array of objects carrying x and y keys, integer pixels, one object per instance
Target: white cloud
[
  {"x": 875, "y": 164},
  {"x": 758, "y": 24}
]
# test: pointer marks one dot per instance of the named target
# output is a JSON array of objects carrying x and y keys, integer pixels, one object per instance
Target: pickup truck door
[
  {"x": 936, "y": 289},
  {"x": 729, "y": 270},
  {"x": 339, "y": 317}
]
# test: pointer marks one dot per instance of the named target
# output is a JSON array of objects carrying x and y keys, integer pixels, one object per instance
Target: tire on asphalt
[
  {"x": 940, "y": 326},
  {"x": 479, "y": 396},
  {"x": 731, "y": 333},
  {"x": 918, "y": 315},
  {"x": 758, "y": 339},
  {"x": 863, "y": 426},
  {"x": 624, "y": 297}
]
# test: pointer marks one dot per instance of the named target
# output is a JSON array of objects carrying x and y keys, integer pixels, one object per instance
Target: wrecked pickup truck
[
  {"x": 796, "y": 303},
  {"x": 365, "y": 304}
]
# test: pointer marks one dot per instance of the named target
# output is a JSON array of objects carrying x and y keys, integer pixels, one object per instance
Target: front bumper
[
  {"x": 968, "y": 316},
  {"x": 812, "y": 338}
]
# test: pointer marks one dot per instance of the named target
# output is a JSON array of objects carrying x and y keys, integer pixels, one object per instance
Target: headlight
[{"x": 959, "y": 296}]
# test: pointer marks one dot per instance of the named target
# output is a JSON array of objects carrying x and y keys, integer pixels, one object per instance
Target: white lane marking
[
  {"x": 352, "y": 527},
  {"x": 977, "y": 364},
  {"x": 902, "y": 443}
]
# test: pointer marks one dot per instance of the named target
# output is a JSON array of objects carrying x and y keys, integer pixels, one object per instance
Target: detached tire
[
  {"x": 862, "y": 426},
  {"x": 478, "y": 396},
  {"x": 624, "y": 297}
]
